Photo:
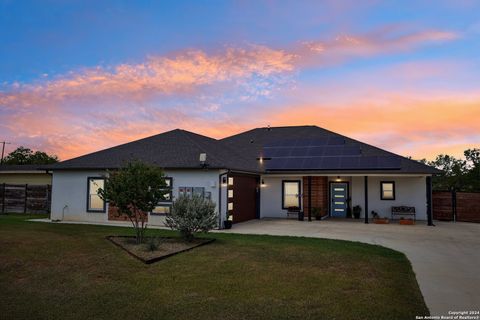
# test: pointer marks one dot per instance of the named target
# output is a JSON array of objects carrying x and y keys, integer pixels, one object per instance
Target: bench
[
  {"x": 403, "y": 211},
  {"x": 292, "y": 212}
]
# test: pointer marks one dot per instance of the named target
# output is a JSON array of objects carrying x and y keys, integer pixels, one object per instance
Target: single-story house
[
  {"x": 260, "y": 173},
  {"x": 30, "y": 174}
]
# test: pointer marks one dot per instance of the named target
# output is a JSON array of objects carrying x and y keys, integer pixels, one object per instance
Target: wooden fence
[
  {"x": 456, "y": 206},
  {"x": 24, "y": 198}
]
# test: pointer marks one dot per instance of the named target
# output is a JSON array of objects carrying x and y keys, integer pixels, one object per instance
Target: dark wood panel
[{"x": 244, "y": 197}]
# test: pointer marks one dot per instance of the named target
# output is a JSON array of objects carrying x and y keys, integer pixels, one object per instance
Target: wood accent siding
[{"x": 319, "y": 194}]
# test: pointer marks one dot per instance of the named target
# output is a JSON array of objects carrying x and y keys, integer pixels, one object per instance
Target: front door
[{"x": 338, "y": 199}]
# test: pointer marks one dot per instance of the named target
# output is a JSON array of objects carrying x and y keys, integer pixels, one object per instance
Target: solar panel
[
  {"x": 336, "y": 141},
  {"x": 327, "y": 153},
  {"x": 306, "y": 142},
  {"x": 349, "y": 163},
  {"x": 330, "y": 163},
  {"x": 333, "y": 163}
]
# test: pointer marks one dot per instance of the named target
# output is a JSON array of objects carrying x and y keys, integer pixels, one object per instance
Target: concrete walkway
[{"x": 445, "y": 258}]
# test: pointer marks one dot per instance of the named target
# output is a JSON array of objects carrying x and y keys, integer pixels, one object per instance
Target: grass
[{"x": 60, "y": 271}]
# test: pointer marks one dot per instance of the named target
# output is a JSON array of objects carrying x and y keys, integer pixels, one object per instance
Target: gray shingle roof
[
  {"x": 180, "y": 149},
  {"x": 172, "y": 149}
]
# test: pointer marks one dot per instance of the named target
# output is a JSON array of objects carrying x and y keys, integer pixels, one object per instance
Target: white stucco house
[{"x": 260, "y": 173}]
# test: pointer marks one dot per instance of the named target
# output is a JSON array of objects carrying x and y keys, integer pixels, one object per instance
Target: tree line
[
  {"x": 460, "y": 174},
  {"x": 23, "y": 155}
]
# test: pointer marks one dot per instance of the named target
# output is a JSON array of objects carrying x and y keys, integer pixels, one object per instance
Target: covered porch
[{"x": 332, "y": 196}]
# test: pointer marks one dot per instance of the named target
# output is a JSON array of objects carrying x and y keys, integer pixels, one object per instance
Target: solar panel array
[{"x": 322, "y": 154}]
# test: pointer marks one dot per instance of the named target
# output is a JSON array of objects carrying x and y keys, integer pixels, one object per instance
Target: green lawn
[{"x": 58, "y": 271}]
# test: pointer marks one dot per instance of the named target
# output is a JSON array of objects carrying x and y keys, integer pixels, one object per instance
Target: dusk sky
[{"x": 76, "y": 77}]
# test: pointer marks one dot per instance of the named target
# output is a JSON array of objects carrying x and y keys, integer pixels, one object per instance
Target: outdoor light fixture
[
  {"x": 224, "y": 180},
  {"x": 338, "y": 179},
  {"x": 262, "y": 183}
]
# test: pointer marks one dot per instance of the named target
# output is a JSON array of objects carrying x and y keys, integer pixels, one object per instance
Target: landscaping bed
[{"x": 156, "y": 248}]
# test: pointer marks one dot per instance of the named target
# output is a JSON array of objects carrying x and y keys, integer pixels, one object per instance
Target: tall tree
[{"x": 23, "y": 155}]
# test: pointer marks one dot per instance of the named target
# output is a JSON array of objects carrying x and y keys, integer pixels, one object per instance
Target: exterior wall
[
  {"x": 26, "y": 178},
  {"x": 69, "y": 193},
  {"x": 271, "y": 196},
  {"x": 190, "y": 178},
  {"x": 409, "y": 191},
  {"x": 69, "y": 196}
]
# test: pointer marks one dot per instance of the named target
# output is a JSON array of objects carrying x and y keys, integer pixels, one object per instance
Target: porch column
[
  {"x": 366, "y": 198},
  {"x": 309, "y": 198},
  {"x": 429, "y": 200}
]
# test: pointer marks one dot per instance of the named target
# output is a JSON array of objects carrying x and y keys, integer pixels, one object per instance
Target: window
[
  {"x": 230, "y": 193},
  {"x": 165, "y": 205},
  {"x": 387, "y": 190},
  {"x": 94, "y": 202},
  {"x": 291, "y": 194},
  {"x": 230, "y": 181},
  {"x": 161, "y": 209},
  {"x": 168, "y": 193}
]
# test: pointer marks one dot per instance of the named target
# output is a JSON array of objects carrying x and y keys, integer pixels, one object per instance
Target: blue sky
[{"x": 99, "y": 67}]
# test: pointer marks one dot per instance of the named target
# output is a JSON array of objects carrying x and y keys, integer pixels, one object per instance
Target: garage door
[{"x": 243, "y": 197}]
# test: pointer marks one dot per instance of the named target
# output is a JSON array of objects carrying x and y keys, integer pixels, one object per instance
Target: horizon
[{"x": 80, "y": 77}]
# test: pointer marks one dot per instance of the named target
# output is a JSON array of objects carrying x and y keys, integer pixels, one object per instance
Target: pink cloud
[{"x": 90, "y": 109}]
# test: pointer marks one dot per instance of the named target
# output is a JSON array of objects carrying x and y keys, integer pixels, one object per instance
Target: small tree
[
  {"x": 190, "y": 215},
  {"x": 135, "y": 190}
]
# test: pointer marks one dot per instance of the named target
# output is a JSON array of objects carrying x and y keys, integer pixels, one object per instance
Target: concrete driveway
[{"x": 445, "y": 258}]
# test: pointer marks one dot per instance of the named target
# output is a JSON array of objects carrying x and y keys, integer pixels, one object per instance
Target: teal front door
[{"x": 338, "y": 199}]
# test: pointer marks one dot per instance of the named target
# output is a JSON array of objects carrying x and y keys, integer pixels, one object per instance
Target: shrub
[
  {"x": 153, "y": 243},
  {"x": 190, "y": 215}
]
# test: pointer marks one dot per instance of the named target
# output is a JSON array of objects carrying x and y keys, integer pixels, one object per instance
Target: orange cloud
[
  {"x": 90, "y": 109},
  {"x": 409, "y": 124}
]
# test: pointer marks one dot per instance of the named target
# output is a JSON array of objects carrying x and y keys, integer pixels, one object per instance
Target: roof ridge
[{"x": 184, "y": 132}]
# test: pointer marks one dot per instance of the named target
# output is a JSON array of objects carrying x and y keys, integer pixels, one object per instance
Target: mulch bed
[{"x": 167, "y": 247}]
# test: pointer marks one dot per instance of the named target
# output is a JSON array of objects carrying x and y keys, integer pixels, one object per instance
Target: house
[
  {"x": 255, "y": 174},
  {"x": 25, "y": 174}
]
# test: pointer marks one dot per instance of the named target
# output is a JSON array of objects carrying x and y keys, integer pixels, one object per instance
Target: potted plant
[
  {"x": 408, "y": 222},
  {"x": 379, "y": 220},
  {"x": 227, "y": 224},
  {"x": 357, "y": 210},
  {"x": 317, "y": 213}
]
